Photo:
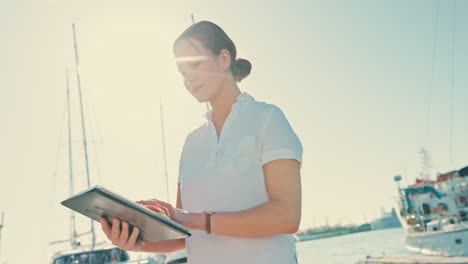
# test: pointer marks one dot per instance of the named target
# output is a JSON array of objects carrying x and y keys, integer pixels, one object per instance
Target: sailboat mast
[
  {"x": 83, "y": 127},
  {"x": 164, "y": 151},
  {"x": 73, "y": 234}
]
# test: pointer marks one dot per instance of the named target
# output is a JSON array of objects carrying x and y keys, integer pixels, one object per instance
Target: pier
[{"x": 414, "y": 260}]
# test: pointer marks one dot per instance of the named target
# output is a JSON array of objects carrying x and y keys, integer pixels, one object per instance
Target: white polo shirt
[{"x": 226, "y": 174}]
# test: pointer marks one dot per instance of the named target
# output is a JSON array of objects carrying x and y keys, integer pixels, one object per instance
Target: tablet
[{"x": 99, "y": 202}]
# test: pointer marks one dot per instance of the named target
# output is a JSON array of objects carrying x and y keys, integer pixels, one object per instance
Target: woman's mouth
[{"x": 196, "y": 88}]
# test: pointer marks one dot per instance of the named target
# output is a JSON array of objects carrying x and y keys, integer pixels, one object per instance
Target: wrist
[
  {"x": 197, "y": 221},
  {"x": 193, "y": 221}
]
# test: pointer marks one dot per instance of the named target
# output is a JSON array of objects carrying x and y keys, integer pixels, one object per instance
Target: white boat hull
[{"x": 441, "y": 243}]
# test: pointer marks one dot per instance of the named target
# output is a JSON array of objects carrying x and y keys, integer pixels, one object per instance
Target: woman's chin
[{"x": 200, "y": 98}]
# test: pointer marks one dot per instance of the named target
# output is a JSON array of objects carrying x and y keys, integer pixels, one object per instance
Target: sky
[{"x": 365, "y": 84}]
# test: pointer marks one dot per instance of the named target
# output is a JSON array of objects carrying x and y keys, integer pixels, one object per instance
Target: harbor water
[{"x": 349, "y": 249}]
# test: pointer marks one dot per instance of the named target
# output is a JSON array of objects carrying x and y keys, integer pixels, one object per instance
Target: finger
[
  {"x": 133, "y": 238},
  {"x": 105, "y": 227},
  {"x": 165, "y": 207},
  {"x": 160, "y": 210},
  {"x": 147, "y": 202},
  {"x": 115, "y": 229},
  {"x": 167, "y": 212},
  {"x": 154, "y": 208},
  {"x": 124, "y": 233},
  {"x": 154, "y": 202},
  {"x": 164, "y": 204}
]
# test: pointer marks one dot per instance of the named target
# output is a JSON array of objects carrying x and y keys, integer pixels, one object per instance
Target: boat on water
[
  {"x": 387, "y": 220},
  {"x": 176, "y": 257},
  {"x": 103, "y": 255},
  {"x": 433, "y": 214},
  {"x": 329, "y": 231}
]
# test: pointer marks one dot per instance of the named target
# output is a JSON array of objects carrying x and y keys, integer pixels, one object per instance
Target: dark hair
[{"x": 213, "y": 38}]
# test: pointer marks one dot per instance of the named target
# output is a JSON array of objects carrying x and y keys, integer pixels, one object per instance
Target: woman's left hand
[
  {"x": 167, "y": 210},
  {"x": 160, "y": 207}
]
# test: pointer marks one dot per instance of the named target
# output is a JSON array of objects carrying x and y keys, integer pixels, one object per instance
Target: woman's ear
[{"x": 225, "y": 59}]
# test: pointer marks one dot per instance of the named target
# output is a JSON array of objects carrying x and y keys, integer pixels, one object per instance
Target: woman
[{"x": 239, "y": 177}]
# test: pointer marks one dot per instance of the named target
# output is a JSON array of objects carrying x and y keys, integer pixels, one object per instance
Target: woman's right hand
[{"x": 122, "y": 237}]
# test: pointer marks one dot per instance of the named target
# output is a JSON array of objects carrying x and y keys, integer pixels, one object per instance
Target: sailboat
[{"x": 95, "y": 253}]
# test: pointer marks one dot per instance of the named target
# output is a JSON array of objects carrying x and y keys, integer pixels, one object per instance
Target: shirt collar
[
  {"x": 241, "y": 98},
  {"x": 244, "y": 98}
]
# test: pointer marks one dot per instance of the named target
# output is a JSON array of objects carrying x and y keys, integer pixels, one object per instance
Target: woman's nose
[
  {"x": 186, "y": 74},
  {"x": 188, "y": 77}
]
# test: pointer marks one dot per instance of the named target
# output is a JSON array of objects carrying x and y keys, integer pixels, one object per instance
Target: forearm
[
  {"x": 166, "y": 246},
  {"x": 268, "y": 219},
  {"x": 280, "y": 215}
]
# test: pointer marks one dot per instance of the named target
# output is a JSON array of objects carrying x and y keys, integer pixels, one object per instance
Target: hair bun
[{"x": 241, "y": 69}]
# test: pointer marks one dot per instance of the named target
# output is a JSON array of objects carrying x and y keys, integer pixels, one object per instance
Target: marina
[{"x": 366, "y": 85}]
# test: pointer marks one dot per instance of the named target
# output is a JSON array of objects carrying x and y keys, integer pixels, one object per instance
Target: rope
[
  {"x": 431, "y": 84},
  {"x": 47, "y": 229}
]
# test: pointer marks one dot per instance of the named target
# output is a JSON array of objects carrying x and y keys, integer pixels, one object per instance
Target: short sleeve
[
  {"x": 279, "y": 141},
  {"x": 179, "y": 180}
]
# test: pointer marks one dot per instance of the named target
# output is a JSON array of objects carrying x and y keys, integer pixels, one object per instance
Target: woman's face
[{"x": 203, "y": 72}]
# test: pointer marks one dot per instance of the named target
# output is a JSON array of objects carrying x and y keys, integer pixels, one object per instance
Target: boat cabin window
[
  {"x": 426, "y": 209},
  {"x": 182, "y": 260}
]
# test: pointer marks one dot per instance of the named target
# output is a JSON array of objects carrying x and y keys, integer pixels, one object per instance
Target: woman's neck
[{"x": 223, "y": 102}]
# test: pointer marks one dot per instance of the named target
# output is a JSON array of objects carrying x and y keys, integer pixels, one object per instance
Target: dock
[{"x": 416, "y": 259}]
